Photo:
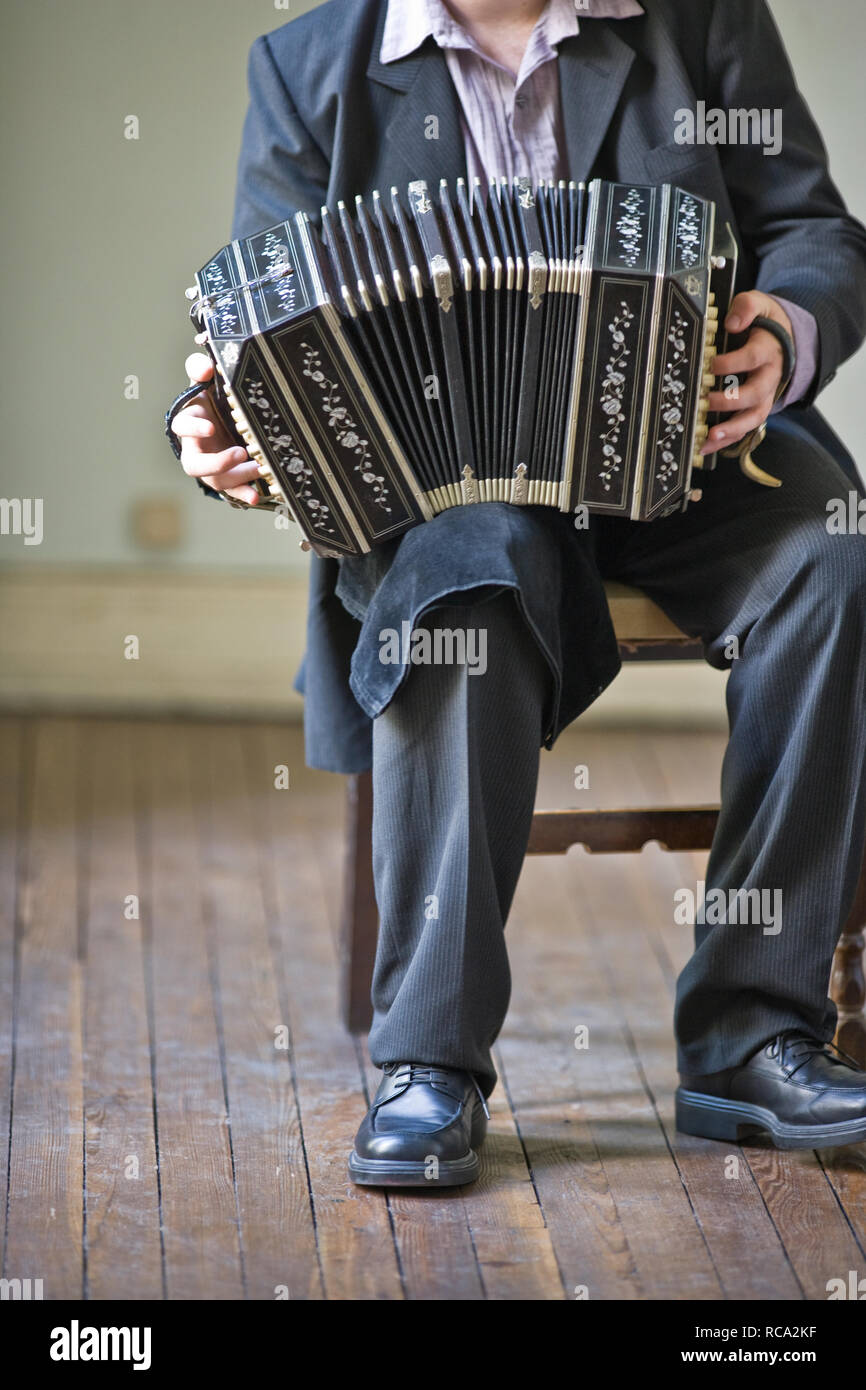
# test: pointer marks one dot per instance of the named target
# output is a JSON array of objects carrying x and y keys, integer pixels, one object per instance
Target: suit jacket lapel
[
  {"x": 593, "y": 67},
  {"x": 414, "y": 90}
]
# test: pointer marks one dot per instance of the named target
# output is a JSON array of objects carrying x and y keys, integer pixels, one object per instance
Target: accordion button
[{"x": 305, "y": 545}]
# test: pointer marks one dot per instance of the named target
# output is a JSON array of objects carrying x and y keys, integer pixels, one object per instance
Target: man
[{"x": 364, "y": 94}]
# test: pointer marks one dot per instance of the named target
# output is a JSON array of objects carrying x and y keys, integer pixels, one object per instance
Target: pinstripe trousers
[{"x": 455, "y": 762}]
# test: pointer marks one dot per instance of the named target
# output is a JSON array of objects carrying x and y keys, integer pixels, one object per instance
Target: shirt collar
[{"x": 409, "y": 22}]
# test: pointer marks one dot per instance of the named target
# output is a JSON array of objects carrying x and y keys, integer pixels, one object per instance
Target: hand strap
[
  {"x": 786, "y": 343},
  {"x": 177, "y": 405},
  {"x": 267, "y": 503},
  {"x": 746, "y": 447}
]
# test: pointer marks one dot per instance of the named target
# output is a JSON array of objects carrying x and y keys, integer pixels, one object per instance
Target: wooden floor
[{"x": 179, "y": 1098}]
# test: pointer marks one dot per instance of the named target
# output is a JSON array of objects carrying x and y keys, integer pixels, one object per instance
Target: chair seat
[{"x": 637, "y": 619}]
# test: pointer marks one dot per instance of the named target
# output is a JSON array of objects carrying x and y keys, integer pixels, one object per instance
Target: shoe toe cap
[{"x": 410, "y": 1145}]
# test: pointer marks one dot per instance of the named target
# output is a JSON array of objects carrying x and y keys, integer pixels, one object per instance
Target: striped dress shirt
[{"x": 512, "y": 122}]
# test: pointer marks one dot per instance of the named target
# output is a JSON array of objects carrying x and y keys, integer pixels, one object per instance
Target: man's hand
[
  {"x": 761, "y": 358},
  {"x": 207, "y": 451}
]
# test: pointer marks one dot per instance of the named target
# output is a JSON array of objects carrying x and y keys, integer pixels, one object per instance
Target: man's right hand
[{"x": 207, "y": 450}]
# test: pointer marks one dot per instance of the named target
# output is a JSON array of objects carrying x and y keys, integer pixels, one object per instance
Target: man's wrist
[{"x": 807, "y": 345}]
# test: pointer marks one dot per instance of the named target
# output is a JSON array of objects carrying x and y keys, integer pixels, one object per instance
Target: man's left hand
[{"x": 761, "y": 359}]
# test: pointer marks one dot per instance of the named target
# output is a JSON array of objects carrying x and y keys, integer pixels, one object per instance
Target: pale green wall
[
  {"x": 101, "y": 234},
  {"x": 826, "y": 42}
]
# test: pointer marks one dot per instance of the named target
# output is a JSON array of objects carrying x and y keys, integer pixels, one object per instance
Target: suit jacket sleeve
[
  {"x": 280, "y": 170},
  {"x": 808, "y": 248}
]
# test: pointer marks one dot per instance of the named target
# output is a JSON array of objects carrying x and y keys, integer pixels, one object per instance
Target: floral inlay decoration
[
  {"x": 282, "y": 443},
  {"x": 631, "y": 228},
  {"x": 613, "y": 391},
  {"x": 345, "y": 428},
  {"x": 672, "y": 402},
  {"x": 689, "y": 231}
]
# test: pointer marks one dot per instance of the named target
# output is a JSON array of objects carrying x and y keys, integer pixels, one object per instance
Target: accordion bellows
[{"x": 536, "y": 346}]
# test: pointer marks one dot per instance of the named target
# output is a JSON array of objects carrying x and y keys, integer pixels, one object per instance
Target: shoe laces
[
  {"x": 424, "y": 1073},
  {"x": 801, "y": 1048}
]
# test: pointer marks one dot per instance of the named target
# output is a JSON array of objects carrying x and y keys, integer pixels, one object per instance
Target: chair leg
[
  {"x": 360, "y": 922},
  {"x": 849, "y": 981}
]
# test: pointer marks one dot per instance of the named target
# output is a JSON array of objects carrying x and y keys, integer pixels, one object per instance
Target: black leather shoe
[
  {"x": 422, "y": 1129},
  {"x": 801, "y": 1093}
]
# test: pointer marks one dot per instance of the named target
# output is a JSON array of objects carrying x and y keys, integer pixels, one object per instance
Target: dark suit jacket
[{"x": 327, "y": 121}]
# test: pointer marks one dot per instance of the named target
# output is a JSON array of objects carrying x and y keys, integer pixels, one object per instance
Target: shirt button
[{"x": 521, "y": 99}]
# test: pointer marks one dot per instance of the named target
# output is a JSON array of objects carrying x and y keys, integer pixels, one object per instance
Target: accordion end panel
[
  {"x": 291, "y": 465},
  {"x": 297, "y": 399},
  {"x": 647, "y": 338},
  {"x": 622, "y": 283},
  {"x": 699, "y": 280},
  {"x": 344, "y": 431}
]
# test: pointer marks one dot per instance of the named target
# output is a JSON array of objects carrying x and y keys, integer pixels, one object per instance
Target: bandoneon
[{"x": 544, "y": 345}]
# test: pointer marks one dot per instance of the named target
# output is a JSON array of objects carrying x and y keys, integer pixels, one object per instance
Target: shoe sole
[
  {"x": 395, "y": 1172},
  {"x": 710, "y": 1117}
]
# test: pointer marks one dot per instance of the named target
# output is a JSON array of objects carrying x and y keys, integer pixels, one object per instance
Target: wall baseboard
[
  {"x": 208, "y": 643},
  {"x": 217, "y": 645}
]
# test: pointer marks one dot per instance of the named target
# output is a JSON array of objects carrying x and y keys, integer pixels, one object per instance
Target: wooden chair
[{"x": 643, "y": 632}]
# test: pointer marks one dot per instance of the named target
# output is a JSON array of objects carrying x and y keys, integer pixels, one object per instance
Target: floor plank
[
  {"x": 276, "y": 1219},
  {"x": 45, "y": 1232},
  {"x": 199, "y": 1203},
  {"x": 12, "y": 809},
  {"x": 124, "y": 1254}
]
